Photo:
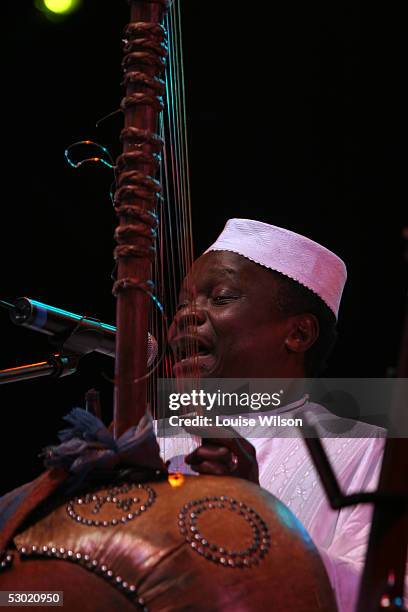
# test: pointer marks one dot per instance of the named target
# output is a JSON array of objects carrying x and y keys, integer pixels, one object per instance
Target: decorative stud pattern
[
  {"x": 114, "y": 495},
  {"x": 6, "y": 559},
  {"x": 188, "y": 526},
  {"x": 91, "y": 564}
]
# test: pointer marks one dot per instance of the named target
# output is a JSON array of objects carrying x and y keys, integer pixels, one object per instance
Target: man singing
[{"x": 262, "y": 302}]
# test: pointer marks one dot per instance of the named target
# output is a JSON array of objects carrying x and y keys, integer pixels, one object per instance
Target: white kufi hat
[{"x": 296, "y": 256}]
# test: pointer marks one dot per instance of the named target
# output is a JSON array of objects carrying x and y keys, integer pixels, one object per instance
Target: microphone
[{"x": 77, "y": 334}]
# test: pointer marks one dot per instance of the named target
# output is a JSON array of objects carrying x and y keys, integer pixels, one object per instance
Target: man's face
[{"x": 229, "y": 321}]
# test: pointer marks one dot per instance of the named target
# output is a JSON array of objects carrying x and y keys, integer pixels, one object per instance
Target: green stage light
[{"x": 61, "y": 7}]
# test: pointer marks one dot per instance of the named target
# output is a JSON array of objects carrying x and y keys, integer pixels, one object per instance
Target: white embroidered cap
[{"x": 296, "y": 256}]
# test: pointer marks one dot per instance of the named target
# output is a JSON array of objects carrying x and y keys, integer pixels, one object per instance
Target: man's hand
[{"x": 223, "y": 456}]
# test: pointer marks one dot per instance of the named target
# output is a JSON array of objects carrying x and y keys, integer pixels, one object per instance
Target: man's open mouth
[{"x": 190, "y": 354}]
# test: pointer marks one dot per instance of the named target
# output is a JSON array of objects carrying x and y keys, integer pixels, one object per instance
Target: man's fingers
[
  {"x": 212, "y": 468},
  {"x": 223, "y": 436},
  {"x": 235, "y": 445},
  {"x": 223, "y": 453},
  {"x": 209, "y": 453}
]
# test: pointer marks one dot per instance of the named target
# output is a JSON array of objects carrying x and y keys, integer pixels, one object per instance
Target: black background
[{"x": 296, "y": 117}]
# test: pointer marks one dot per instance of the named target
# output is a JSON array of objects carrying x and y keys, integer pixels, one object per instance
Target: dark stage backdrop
[{"x": 296, "y": 116}]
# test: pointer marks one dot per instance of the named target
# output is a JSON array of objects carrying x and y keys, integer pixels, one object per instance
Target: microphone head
[{"x": 152, "y": 349}]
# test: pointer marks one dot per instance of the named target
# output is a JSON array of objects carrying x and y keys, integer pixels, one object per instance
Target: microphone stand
[{"x": 56, "y": 366}]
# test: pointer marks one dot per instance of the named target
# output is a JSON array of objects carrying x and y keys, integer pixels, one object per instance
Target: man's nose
[{"x": 191, "y": 315}]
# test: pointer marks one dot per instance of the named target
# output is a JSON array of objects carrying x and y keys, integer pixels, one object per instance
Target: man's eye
[
  {"x": 223, "y": 299},
  {"x": 181, "y": 305}
]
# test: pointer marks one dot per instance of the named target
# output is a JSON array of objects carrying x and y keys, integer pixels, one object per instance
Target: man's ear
[{"x": 303, "y": 333}]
